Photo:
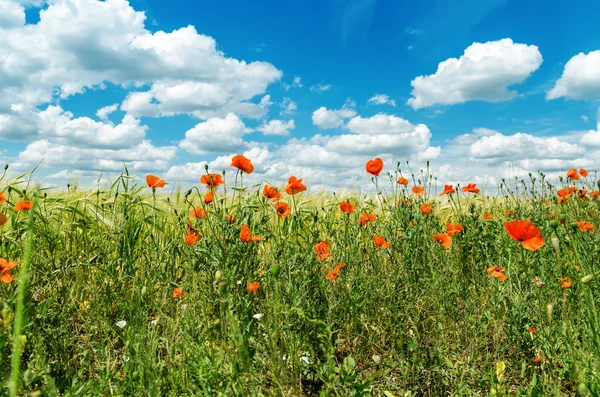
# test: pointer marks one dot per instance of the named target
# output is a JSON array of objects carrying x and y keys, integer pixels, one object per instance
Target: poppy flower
[
  {"x": 497, "y": 272},
  {"x": 595, "y": 194},
  {"x": 572, "y": 189},
  {"x": 583, "y": 172},
  {"x": 380, "y": 242},
  {"x": 242, "y": 163},
  {"x": 332, "y": 274},
  {"x": 230, "y": 218},
  {"x": 322, "y": 250},
  {"x": 155, "y": 182},
  {"x": 375, "y": 166},
  {"x": 448, "y": 189},
  {"x": 537, "y": 359},
  {"x": 564, "y": 282},
  {"x": 272, "y": 193},
  {"x": 487, "y": 216},
  {"x": 585, "y": 226},
  {"x": 418, "y": 190},
  {"x": 443, "y": 238},
  {"x": 2, "y": 198},
  {"x": 252, "y": 286},
  {"x": 582, "y": 193},
  {"x": 340, "y": 265},
  {"x": 198, "y": 212},
  {"x": 532, "y": 330},
  {"x": 178, "y": 293},
  {"x": 294, "y": 186},
  {"x": 572, "y": 174},
  {"x": 282, "y": 209},
  {"x": 208, "y": 198},
  {"x": 509, "y": 213},
  {"x": 453, "y": 229},
  {"x": 3, "y": 219},
  {"x": 402, "y": 181},
  {"x": 426, "y": 209},
  {"x": 24, "y": 205},
  {"x": 347, "y": 207},
  {"x": 366, "y": 218},
  {"x": 246, "y": 234},
  {"x": 471, "y": 188},
  {"x": 212, "y": 181},
  {"x": 191, "y": 236},
  {"x": 5, "y": 267},
  {"x": 525, "y": 232}
]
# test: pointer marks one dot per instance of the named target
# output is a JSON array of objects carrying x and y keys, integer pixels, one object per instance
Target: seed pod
[
  {"x": 275, "y": 270},
  {"x": 554, "y": 224}
]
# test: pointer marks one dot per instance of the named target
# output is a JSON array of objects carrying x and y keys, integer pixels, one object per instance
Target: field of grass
[{"x": 133, "y": 291}]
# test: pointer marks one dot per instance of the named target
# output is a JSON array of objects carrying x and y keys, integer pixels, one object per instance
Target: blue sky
[{"x": 312, "y": 88}]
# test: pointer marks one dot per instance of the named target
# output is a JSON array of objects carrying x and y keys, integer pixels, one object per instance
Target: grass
[{"x": 414, "y": 319}]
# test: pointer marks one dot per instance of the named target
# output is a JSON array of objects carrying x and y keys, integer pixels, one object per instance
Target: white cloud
[
  {"x": 379, "y": 124},
  {"x": 585, "y": 119},
  {"x": 320, "y": 88},
  {"x": 592, "y": 138},
  {"x": 484, "y": 72},
  {"x": 580, "y": 78},
  {"x": 381, "y": 99},
  {"x": 327, "y": 119},
  {"x": 296, "y": 83},
  {"x": 277, "y": 127},
  {"x": 288, "y": 107},
  {"x": 104, "y": 112},
  {"x": 216, "y": 135},
  {"x": 12, "y": 14}
]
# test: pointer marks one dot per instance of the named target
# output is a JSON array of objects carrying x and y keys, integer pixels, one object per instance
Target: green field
[{"x": 125, "y": 294}]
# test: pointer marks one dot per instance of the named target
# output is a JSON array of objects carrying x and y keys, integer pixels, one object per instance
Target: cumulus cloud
[
  {"x": 484, "y": 72},
  {"x": 296, "y": 83},
  {"x": 580, "y": 78},
  {"x": 216, "y": 135},
  {"x": 277, "y": 127},
  {"x": 288, "y": 107},
  {"x": 381, "y": 99},
  {"x": 320, "y": 88},
  {"x": 105, "y": 111},
  {"x": 328, "y": 119}
]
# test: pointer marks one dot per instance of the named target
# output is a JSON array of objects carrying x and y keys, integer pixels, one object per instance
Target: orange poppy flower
[
  {"x": 471, "y": 188},
  {"x": 509, "y": 213},
  {"x": 198, "y": 212},
  {"x": 212, "y": 181},
  {"x": 242, "y": 163},
  {"x": 246, "y": 234},
  {"x": 595, "y": 194},
  {"x": 453, "y": 229},
  {"x": 322, "y": 250},
  {"x": 572, "y": 189},
  {"x": 426, "y": 209},
  {"x": 282, "y": 209},
  {"x": 294, "y": 186},
  {"x": 366, "y": 218},
  {"x": 252, "y": 286},
  {"x": 380, "y": 242},
  {"x": 3, "y": 219},
  {"x": 191, "y": 236},
  {"x": 347, "y": 207},
  {"x": 2, "y": 198},
  {"x": 402, "y": 181},
  {"x": 448, "y": 189},
  {"x": 525, "y": 232},
  {"x": 563, "y": 193},
  {"x": 375, "y": 166},
  {"x": 532, "y": 330},
  {"x": 487, "y": 216},
  {"x": 5, "y": 267},
  {"x": 230, "y": 218},
  {"x": 178, "y": 293},
  {"x": 418, "y": 190},
  {"x": 208, "y": 198},
  {"x": 340, "y": 265},
  {"x": 583, "y": 172},
  {"x": 585, "y": 226},
  {"x": 155, "y": 182},
  {"x": 537, "y": 359},
  {"x": 24, "y": 205},
  {"x": 332, "y": 274},
  {"x": 565, "y": 282},
  {"x": 497, "y": 272},
  {"x": 272, "y": 193},
  {"x": 443, "y": 238},
  {"x": 572, "y": 174}
]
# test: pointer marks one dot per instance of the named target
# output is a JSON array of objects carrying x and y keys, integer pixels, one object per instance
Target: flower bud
[
  {"x": 587, "y": 279},
  {"x": 554, "y": 224},
  {"x": 275, "y": 270}
]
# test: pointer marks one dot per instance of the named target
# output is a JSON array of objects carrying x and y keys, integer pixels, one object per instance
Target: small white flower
[
  {"x": 285, "y": 357},
  {"x": 304, "y": 360},
  {"x": 154, "y": 322},
  {"x": 258, "y": 316},
  {"x": 239, "y": 282},
  {"x": 376, "y": 358},
  {"x": 125, "y": 358},
  {"x": 121, "y": 323}
]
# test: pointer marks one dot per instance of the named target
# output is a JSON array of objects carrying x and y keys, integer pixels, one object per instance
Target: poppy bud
[
  {"x": 587, "y": 278},
  {"x": 573, "y": 225},
  {"x": 206, "y": 167},
  {"x": 275, "y": 270},
  {"x": 554, "y": 224},
  {"x": 5, "y": 167},
  {"x": 563, "y": 217},
  {"x": 222, "y": 286},
  {"x": 188, "y": 193}
]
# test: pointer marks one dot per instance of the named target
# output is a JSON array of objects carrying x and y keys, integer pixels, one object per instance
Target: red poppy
[
  {"x": 282, "y": 209},
  {"x": 191, "y": 236},
  {"x": 375, "y": 166},
  {"x": 366, "y": 218},
  {"x": 402, "y": 181},
  {"x": 347, "y": 207},
  {"x": 294, "y": 186},
  {"x": 595, "y": 194},
  {"x": 497, "y": 272},
  {"x": 525, "y": 232},
  {"x": 572, "y": 174},
  {"x": 448, "y": 189},
  {"x": 537, "y": 359},
  {"x": 5, "y": 267},
  {"x": 332, "y": 274},
  {"x": 471, "y": 188},
  {"x": 454, "y": 229},
  {"x": 246, "y": 234},
  {"x": 380, "y": 242},
  {"x": 242, "y": 163},
  {"x": 322, "y": 250},
  {"x": 583, "y": 172},
  {"x": 487, "y": 216},
  {"x": 2, "y": 198},
  {"x": 212, "y": 181},
  {"x": 443, "y": 238},
  {"x": 426, "y": 209},
  {"x": 418, "y": 190},
  {"x": 532, "y": 330},
  {"x": 252, "y": 286},
  {"x": 24, "y": 205},
  {"x": 581, "y": 194},
  {"x": 178, "y": 293},
  {"x": 3, "y": 219},
  {"x": 198, "y": 212},
  {"x": 585, "y": 226},
  {"x": 208, "y": 198},
  {"x": 155, "y": 182},
  {"x": 565, "y": 282},
  {"x": 272, "y": 193}
]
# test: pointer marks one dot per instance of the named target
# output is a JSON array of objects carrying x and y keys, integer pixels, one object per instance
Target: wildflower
[
  {"x": 282, "y": 209},
  {"x": 347, "y": 207},
  {"x": 198, "y": 212},
  {"x": 509, "y": 213},
  {"x": 208, "y": 198},
  {"x": 178, "y": 293},
  {"x": 304, "y": 360},
  {"x": 565, "y": 282},
  {"x": 585, "y": 226},
  {"x": 595, "y": 194},
  {"x": 2, "y": 198},
  {"x": 341, "y": 265},
  {"x": 272, "y": 193},
  {"x": 402, "y": 181},
  {"x": 24, "y": 205},
  {"x": 155, "y": 182},
  {"x": 537, "y": 359},
  {"x": 572, "y": 174},
  {"x": 448, "y": 189},
  {"x": 471, "y": 188},
  {"x": 532, "y": 330},
  {"x": 418, "y": 190},
  {"x": 366, "y": 218},
  {"x": 258, "y": 316},
  {"x": 497, "y": 272},
  {"x": 375, "y": 166},
  {"x": 121, "y": 323},
  {"x": 322, "y": 250},
  {"x": 294, "y": 186},
  {"x": 3, "y": 219},
  {"x": 212, "y": 181},
  {"x": 332, "y": 274},
  {"x": 242, "y": 163},
  {"x": 191, "y": 236},
  {"x": 583, "y": 172},
  {"x": 230, "y": 218},
  {"x": 252, "y": 287},
  {"x": 443, "y": 238},
  {"x": 454, "y": 229},
  {"x": 538, "y": 282},
  {"x": 380, "y": 242},
  {"x": 487, "y": 216},
  {"x": 581, "y": 194},
  {"x": 376, "y": 358},
  {"x": 246, "y": 234},
  {"x": 5, "y": 267},
  {"x": 426, "y": 209},
  {"x": 525, "y": 232}
]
